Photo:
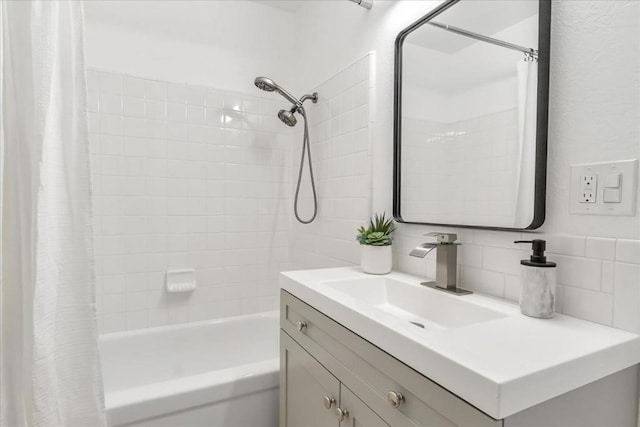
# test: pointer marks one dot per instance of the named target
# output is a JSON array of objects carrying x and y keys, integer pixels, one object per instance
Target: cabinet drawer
[{"x": 372, "y": 374}]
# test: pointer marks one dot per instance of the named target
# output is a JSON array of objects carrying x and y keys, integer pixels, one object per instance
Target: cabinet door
[
  {"x": 308, "y": 392},
  {"x": 355, "y": 413},
  {"x": 371, "y": 374}
]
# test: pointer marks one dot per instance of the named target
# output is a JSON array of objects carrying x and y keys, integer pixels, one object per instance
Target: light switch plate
[{"x": 601, "y": 174}]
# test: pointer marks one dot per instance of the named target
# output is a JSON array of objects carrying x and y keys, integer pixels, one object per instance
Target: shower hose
[{"x": 305, "y": 147}]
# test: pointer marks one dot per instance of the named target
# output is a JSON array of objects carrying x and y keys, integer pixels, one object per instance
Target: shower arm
[
  {"x": 313, "y": 97},
  {"x": 298, "y": 105}
]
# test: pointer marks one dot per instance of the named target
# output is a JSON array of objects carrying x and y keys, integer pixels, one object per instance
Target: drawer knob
[
  {"x": 341, "y": 414},
  {"x": 301, "y": 325},
  {"x": 328, "y": 402},
  {"x": 395, "y": 399}
]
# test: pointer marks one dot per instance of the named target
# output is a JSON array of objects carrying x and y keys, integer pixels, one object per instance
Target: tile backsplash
[
  {"x": 598, "y": 278},
  {"x": 186, "y": 177}
]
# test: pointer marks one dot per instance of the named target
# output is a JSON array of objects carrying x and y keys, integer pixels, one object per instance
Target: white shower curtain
[
  {"x": 527, "y": 116},
  {"x": 49, "y": 365}
]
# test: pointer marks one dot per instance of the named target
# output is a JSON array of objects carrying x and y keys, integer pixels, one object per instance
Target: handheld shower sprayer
[{"x": 288, "y": 118}]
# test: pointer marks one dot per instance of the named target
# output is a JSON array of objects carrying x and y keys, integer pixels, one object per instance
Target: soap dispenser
[{"x": 538, "y": 282}]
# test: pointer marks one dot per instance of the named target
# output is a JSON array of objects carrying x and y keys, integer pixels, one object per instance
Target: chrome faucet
[{"x": 446, "y": 262}]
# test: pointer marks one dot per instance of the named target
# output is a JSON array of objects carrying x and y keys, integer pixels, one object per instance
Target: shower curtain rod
[{"x": 466, "y": 33}]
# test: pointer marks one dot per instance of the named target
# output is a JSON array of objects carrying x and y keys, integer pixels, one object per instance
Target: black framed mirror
[{"x": 470, "y": 115}]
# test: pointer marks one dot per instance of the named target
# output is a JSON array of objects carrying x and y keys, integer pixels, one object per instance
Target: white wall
[
  {"x": 594, "y": 114},
  {"x": 423, "y": 104},
  {"x": 221, "y": 44}
]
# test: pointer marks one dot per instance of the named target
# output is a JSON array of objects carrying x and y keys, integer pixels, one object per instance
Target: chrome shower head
[
  {"x": 287, "y": 117},
  {"x": 265, "y": 84},
  {"x": 269, "y": 85}
]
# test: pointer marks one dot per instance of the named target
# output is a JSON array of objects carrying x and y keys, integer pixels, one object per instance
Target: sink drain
[{"x": 419, "y": 325}]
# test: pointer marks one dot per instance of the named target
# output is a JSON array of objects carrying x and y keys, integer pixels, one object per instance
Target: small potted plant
[{"x": 376, "y": 245}]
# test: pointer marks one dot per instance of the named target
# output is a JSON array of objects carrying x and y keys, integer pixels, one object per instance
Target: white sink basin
[
  {"x": 480, "y": 348},
  {"x": 424, "y": 307}
]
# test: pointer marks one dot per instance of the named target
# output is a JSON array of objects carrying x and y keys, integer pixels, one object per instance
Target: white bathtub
[{"x": 220, "y": 373}]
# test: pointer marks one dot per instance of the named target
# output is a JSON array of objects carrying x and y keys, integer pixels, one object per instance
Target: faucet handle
[{"x": 443, "y": 237}]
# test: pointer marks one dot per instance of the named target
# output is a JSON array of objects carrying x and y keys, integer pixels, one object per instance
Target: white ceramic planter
[{"x": 376, "y": 259}]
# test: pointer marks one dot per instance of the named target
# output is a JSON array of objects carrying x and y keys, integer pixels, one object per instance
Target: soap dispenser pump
[{"x": 538, "y": 282}]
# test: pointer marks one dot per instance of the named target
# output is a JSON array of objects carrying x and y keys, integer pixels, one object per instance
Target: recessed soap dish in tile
[{"x": 181, "y": 280}]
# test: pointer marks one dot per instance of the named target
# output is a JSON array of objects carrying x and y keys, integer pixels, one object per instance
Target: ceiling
[{"x": 195, "y": 21}]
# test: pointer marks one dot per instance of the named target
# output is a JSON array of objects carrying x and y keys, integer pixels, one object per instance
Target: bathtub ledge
[{"x": 179, "y": 394}]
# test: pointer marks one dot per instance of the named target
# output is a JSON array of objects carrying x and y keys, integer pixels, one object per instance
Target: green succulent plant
[{"x": 378, "y": 233}]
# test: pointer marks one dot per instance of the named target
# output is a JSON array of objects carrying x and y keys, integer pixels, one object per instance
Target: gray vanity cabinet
[
  {"x": 307, "y": 385},
  {"x": 320, "y": 359},
  {"x": 357, "y": 413},
  {"x": 312, "y": 397}
]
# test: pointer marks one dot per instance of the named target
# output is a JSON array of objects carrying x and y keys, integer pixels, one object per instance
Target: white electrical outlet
[
  {"x": 588, "y": 187},
  {"x": 607, "y": 188}
]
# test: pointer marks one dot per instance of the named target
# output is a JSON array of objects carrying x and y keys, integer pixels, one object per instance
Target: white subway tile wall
[
  {"x": 340, "y": 127},
  {"x": 186, "y": 177},
  {"x": 465, "y": 149}
]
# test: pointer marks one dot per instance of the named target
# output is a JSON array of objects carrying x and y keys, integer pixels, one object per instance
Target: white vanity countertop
[{"x": 501, "y": 366}]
